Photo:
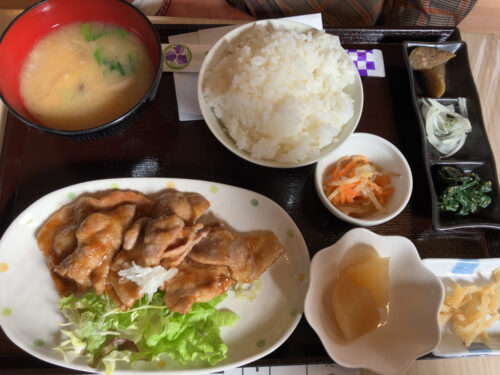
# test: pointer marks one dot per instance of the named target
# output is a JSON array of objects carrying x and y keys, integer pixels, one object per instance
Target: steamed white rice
[{"x": 280, "y": 93}]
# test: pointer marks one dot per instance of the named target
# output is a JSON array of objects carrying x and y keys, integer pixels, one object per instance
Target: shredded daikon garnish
[
  {"x": 446, "y": 130},
  {"x": 357, "y": 186},
  {"x": 148, "y": 278}
]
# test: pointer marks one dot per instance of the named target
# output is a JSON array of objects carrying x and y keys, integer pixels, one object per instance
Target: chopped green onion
[
  {"x": 89, "y": 37},
  {"x": 97, "y": 55},
  {"x": 122, "y": 32},
  {"x": 86, "y": 32},
  {"x": 131, "y": 61},
  {"x": 120, "y": 68}
]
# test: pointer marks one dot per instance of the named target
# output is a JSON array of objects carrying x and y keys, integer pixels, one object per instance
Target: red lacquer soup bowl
[{"x": 46, "y": 16}]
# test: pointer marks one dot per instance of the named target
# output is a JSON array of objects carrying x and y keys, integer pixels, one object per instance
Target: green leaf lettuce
[{"x": 105, "y": 334}]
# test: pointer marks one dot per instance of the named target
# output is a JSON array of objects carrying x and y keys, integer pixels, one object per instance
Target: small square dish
[
  {"x": 475, "y": 154},
  {"x": 465, "y": 272}
]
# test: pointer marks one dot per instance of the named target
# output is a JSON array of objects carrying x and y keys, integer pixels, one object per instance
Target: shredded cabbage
[
  {"x": 446, "y": 130},
  {"x": 105, "y": 334}
]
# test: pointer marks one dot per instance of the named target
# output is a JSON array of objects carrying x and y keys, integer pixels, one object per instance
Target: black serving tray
[
  {"x": 476, "y": 154},
  {"x": 33, "y": 164}
]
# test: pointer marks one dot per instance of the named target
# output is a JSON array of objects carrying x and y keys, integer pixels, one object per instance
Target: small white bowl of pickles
[
  {"x": 366, "y": 181},
  {"x": 373, "y": 303}
]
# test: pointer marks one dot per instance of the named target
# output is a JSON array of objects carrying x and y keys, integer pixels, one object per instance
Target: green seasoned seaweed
[{"x": 464, "y": 192}]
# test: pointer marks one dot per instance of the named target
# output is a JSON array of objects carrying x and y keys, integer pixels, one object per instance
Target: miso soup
[{"x": 84, "y": 75}]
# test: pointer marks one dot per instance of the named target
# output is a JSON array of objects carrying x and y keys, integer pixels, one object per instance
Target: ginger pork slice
[
  {"x": 195, "y": 282},
  {"x": 223, "y": 247},
  {"x": 188, "y": 206},
  {"x": 266, "y": 250},
  {"x": 151, "y": 242},
  {"x": 223, "y": 258},
  {"x": 57, "y": 236},
  {"x": 98, "y": 237},
  {"x": 167, "y": 237}
]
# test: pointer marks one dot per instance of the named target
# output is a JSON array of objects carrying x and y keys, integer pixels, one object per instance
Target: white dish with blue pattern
[
  {"x": 465, "y": 272},
  {"x": 29, "y": 312}
]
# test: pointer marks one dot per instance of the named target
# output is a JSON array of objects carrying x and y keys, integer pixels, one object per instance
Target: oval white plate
[{"x": 29, "y": 312}]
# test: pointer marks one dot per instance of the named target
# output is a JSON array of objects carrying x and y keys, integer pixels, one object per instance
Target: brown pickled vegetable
[
  {"x": 428, "y": 57},
  {"x": 431, "y": 62},
  {"x": 434, "y": 79}
]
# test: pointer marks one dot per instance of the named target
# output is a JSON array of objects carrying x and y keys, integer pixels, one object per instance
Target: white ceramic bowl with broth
[
  {"x": 387, "y": 157},
  {"x": 415, "y": 298},
  {"x": 219, "y": 50}
]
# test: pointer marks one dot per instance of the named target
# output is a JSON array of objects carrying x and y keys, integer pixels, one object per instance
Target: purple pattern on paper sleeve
[
  {"x": 181, "y": 59},
  {"x": 179, "y": 49},
  {"x": 170, "y": 55},
  {"x": 363, "y": 60}
]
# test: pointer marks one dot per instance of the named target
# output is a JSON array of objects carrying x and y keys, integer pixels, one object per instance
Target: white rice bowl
[{"x": 282, "y": 94}]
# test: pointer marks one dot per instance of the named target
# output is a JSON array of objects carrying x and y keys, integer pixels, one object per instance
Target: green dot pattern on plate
[
  {"x": 114, "y": 185},
  {"x": 290, "y": 233},
  {"x": 254, "y": 202},
  {"x": 261, "y": 343},
  {"x": 39, "y": 342},
  {"x": 71, "y": 196},
  {"x": 6, "y": 311},
  {"x": 294, "y": 312},
  {"x": 213, "y": 189}
]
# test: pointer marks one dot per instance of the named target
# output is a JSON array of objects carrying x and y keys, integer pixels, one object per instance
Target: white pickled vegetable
[{"x": 446, "y": 129}]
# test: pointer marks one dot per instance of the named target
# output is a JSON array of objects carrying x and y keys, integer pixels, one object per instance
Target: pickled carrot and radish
[{"x": 358, "y": 187}]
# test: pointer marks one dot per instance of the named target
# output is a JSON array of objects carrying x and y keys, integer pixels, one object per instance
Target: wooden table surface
[{"x": 484, "y": 55}]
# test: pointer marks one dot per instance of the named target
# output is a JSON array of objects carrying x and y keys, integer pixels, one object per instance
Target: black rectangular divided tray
[{"x": 475, "y": 155}]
